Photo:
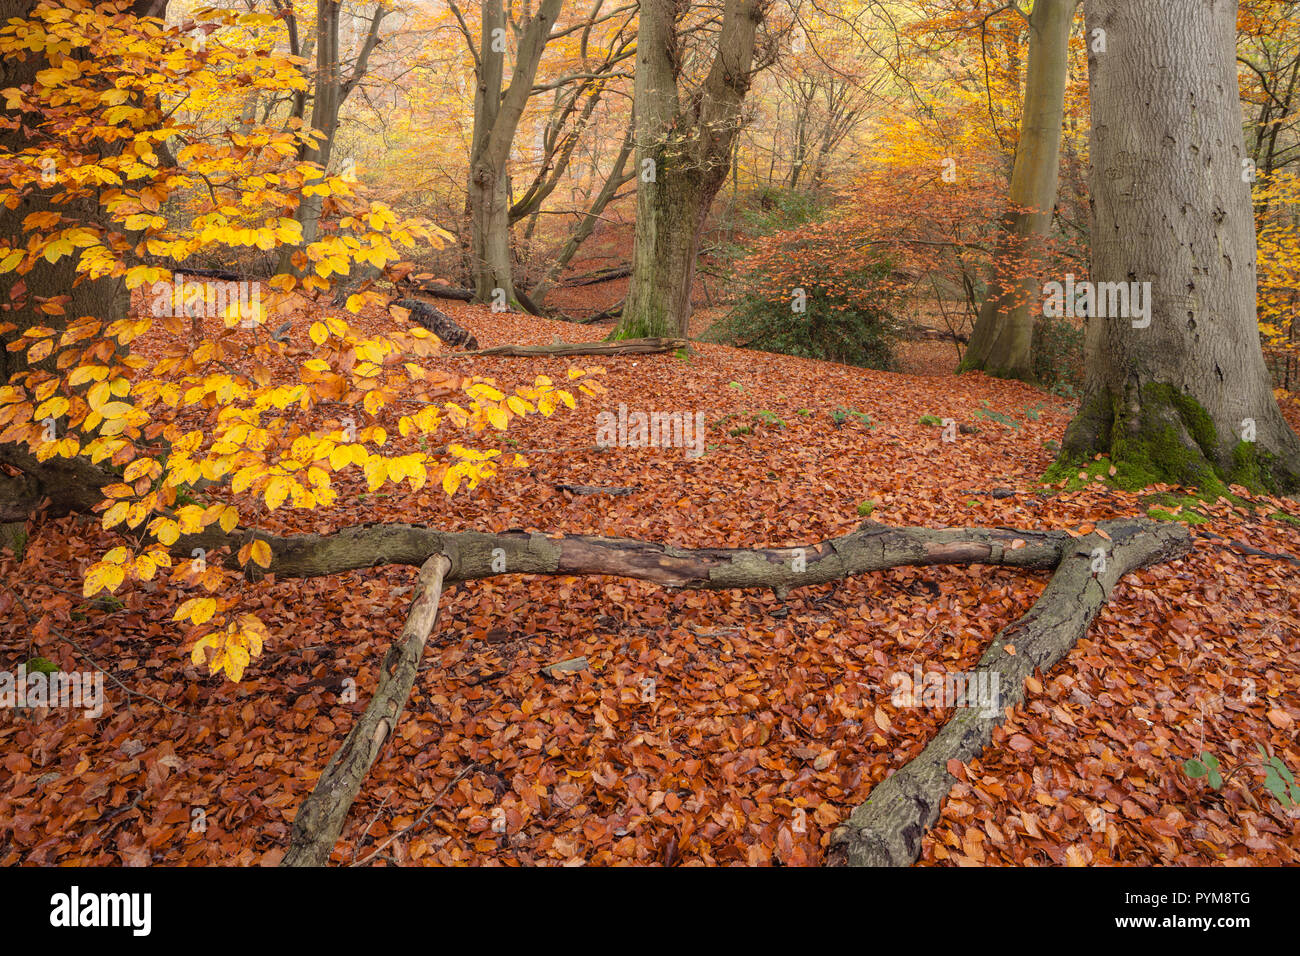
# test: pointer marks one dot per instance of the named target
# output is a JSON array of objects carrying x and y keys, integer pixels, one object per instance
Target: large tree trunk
[
  {"x": 683, "y": 152},
  {"x": 65, "y": 485},
  {"x": 496, "y": 119},
  {"x": 1002, "y": 343},
  {"x": 1177, "y": 399}
]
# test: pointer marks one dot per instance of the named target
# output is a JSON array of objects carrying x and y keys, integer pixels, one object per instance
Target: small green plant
[
  {"x": 41, "y": 665},
  {"x": 1207, "y": 765},
  {"x": 932, "y": 420},
  {"x": 1278, "y": 778},
  {"x": 736, "y": 385},
  {"x": 105, "y": 602},
  {"x": 1066, "y": 391},
  {"x": 865, "y": 508},
  {"x": 683, "y": 354},
  {"x": 821, "y": 322},
  {"x": 840, "y": 415},
  {"x": 741, "y": 430},
  {"x": 995, "y": 416},
  {"x": 803, "y": 411},
  {"x": 768, "y": 418}
]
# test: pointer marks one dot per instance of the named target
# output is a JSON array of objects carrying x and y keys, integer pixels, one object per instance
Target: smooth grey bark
[
  {"x": 1002, "y": 341},
  {"x": 1177, "y": 399}
]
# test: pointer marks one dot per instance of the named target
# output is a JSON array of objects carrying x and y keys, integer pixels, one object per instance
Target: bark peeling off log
[{"x": 888, "y": 828}]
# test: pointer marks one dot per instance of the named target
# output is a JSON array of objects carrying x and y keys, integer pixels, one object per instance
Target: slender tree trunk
[
  {"x": 330, "y": 89},
  {"x": 1185, "y": 398},
  {"x": 617, "y": 177},
  {"x": 683, "y": 153},
  {"x": 496, "y": 119},
  {"x": 1002, "y": 342}
]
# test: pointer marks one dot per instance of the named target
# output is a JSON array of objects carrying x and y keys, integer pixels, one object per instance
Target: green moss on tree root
[
  {"x": 643, "y": 327},
  {"x": 1169, "y": 439},
  {"x": 13, "y": 535}
]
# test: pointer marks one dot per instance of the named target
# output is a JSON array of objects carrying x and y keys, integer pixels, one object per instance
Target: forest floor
[{"x": 760, "y": 704}]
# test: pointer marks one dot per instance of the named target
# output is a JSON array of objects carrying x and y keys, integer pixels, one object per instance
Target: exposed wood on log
[
  {"x": 624, "y": 347},
  {"x": 320, "y": 819},
  {"x": 436, "y": 321},
  {"x": 887, "y": 829}
]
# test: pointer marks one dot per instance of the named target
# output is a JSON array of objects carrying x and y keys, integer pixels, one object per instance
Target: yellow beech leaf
[
  {"x": 197, "y": 655},
  {"x": 229, "y": 518},
  {"x": 261, "y": 553},
  {"x": 116, "y": 514},
  {"x": 103, "y": 577},
  {"x": 197, "y": 610},
  {"x": 145, "y": 567},
  {"x": 451, "y": 480},
  {"x": 277, "y": 490}
]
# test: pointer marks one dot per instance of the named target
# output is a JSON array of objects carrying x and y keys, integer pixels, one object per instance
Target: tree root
[{"x": 888, "y": 828}]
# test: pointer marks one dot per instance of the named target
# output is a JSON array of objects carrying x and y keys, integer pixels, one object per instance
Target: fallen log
[
  {"x": 599, "y": 275},
  {"x": 319, "y": 820},
  {"x": 624, "y": 347},
  {"x": 887, "y": 829},
  {"x": 438, "y": 291},
  {"x": 870, "y": 547},
  {"x": 616, "y": 490},
  {"x": 436, "y": 321}
]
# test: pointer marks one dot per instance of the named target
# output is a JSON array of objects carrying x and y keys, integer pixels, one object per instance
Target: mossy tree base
[
  {"x": 1159, "y": 435},
  {"x": 13, "y": 537},
  {"x": 645, "y": 327}
]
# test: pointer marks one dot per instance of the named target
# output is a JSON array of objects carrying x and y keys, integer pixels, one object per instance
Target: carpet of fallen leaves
[{"x": 707, "y": 728}]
